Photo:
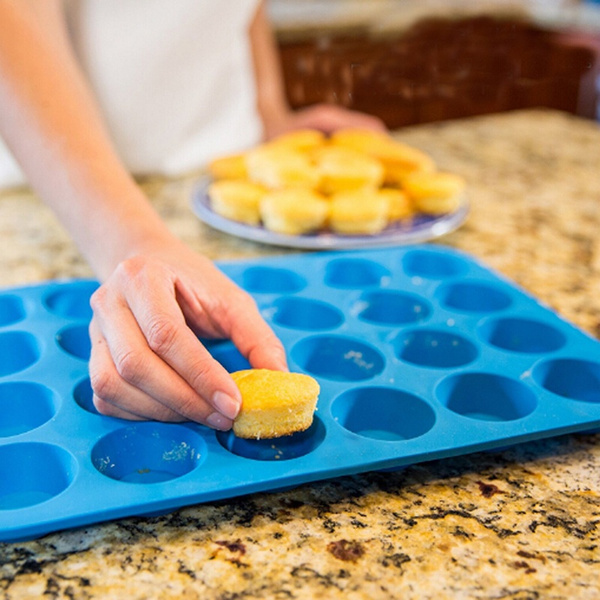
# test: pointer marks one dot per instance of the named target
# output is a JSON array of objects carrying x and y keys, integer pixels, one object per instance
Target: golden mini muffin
[
  {"x": 293, "y": 211},
  {"x": 274, "y": 403},
  {"x": 232, "y": 166},
  {"x": 301, "y": 139},
  {"x": 400, "y": 204},
  {"x": 236, "y": 199},
  {"x": 435, "y": 193},
  {"x": 346, "y": 169},
  {"x": 358, "y": 212},
  {"x": 277, "y": 166},
  {"x": 397, "y": 158}
]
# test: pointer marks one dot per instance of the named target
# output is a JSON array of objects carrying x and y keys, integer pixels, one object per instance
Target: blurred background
[{"x": 419, "y": 61}]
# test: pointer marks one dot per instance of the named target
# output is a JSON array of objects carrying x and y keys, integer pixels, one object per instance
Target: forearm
[
  {"x": 272, "y": 103},
  {"x": 50, "y": 121}
]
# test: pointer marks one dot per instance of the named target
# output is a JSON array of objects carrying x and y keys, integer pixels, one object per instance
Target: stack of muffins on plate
[{"x": 354, "y": 182}]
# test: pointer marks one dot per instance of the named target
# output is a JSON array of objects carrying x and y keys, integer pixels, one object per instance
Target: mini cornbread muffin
[
  {"x": 274, "y": 403},
  {"x": 359, "y": 212},
  {"x": 293, "y": 211},
  {"x": 228, "y": 167},
  {"x": 303, "y": 140},
  {"x": 435, "y": 193},
  {"x": 398, "y": 159},
  {"x": 346, "y": 169},
  {"x": 237, "y": 200},
  {"x": 400, "y": 204},
  {"x": 277, "y": 166}
]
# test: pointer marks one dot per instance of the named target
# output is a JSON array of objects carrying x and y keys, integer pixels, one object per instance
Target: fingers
[
  {"x": 147, "y": 362},
  {"x": 329, "y": 118}
]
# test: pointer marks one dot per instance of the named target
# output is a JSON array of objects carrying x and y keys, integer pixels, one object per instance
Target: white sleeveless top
[{"x": 173, "y": 78}]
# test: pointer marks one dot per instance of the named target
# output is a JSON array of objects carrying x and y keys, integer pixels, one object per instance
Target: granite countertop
[{"x": 519, "y": 524}]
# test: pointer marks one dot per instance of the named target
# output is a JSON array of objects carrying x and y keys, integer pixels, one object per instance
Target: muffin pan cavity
[
  {"x": 148, "y": 453},
  {"x": 529, "y": 336},
  {"x": 420, "y": 352},
  {"x": 435, "y": 348},
  {"x": 383, "y": 413},
  {"x": 574, "y": 379},
  {"x": 33, "y": 473},
  {"x": 24, "y": 406},
  {"x": 486, "y": 396},
  {"x": 11, "y": 309},
  {"x": 388, "y": 307},
  {"x": 285, "y": 448},
  {"x": 18, "y": 350},
  {"x": 72, "y": 303},
  {"x": 338, "y": 358}
]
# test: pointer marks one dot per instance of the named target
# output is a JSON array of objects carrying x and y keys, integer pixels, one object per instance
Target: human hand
[
  {"x": 324, "y": 117},
  {"x": 146, "y": 360}
]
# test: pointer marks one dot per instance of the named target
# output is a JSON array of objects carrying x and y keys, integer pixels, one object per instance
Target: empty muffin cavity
[
  {"x": 84, "y": 396},
  {"x": 338, "y": 358},
  {"x": 32, "y": 473},
  {"x": 354, "y": 273},
  {"x": 72, "y": 302},
  {"x": 271, "y": 280},
  {"x": 276, "y": 449},
  {"x": 306, "y": 314},
  {"x": 474, "y": 297},
  {"x": 570, "y": 378},
  {"x": 431, "y": 264},
  {"x": 11, "y": 310},
  {"x": 18, "y": 350},
  {"x": 148, "y": 453},
  {"x": 486, "y": 396},
  {"x": 434, "y": 348},
  {"x": 522, "y": 335},
  {"x": 388, "y": 307},
  {"x": 75, "y": 340},
  {"x": 383, "y": 413},
  {"x": 24, "y": 406}
]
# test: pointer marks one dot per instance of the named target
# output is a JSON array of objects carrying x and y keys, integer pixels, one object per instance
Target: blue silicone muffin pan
[{"x": 421, "y": 353}]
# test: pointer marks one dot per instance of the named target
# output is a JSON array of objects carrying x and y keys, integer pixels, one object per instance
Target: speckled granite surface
[{"x": 522, "y": 524}]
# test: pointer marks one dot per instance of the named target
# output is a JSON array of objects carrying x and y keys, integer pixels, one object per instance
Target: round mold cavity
[
  {"x": 11, "y": 310},
  {"x": 271, "y": 280},
  {"x": 72, "y": 302},
  {"x": 387, "y": 307},
  {"x": 24, "y": 406},
  {"x": 148, "y": 453},
  {"x": 303, "y": 313},
  {"x": 382, "y": 413},
  {"x": 430, "y": 264},
  {"x": 338, "y": 358},
  {"x": 18, "y": 350},
  {"x": 354, "y": 273},
  {"x": 522, "y": 335},
  {"x": 486, "y": 397},
  {"x": 32, "y": 473},
  {"x": 433, "y": 348},
  {"x": 283, "y": 448},
  {"x": 474, "y": 297},
  {"x": 84, "y": 396},
  {"x": 570, "y": 378},
  {"x": 75, "y": 340},
  {"x": 230, "y": 357}
]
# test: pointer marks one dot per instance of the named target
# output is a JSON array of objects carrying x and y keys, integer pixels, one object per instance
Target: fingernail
[
  {"x": 226, "y": 405},
  {"x": 218, "y": 421}
]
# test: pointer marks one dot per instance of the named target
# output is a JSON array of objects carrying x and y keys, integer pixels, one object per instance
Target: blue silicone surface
[{"x": 421, "y": 353}]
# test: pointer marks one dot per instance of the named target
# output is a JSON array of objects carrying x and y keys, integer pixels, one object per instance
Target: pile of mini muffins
[{"x": 353, "y": 182}]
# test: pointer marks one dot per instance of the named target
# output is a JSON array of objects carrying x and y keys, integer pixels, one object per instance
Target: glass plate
[{"x": 418, "y": 229}]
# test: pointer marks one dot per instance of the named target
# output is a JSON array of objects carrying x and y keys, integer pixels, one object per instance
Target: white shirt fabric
[{"x": 173, "y": 78}]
